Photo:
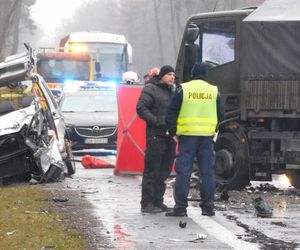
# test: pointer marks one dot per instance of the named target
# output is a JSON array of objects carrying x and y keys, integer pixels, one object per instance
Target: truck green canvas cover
[{"x": 270, "y": 42}]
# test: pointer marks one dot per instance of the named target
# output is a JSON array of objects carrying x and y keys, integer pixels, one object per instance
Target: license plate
[{"x": 96, "y": 140}]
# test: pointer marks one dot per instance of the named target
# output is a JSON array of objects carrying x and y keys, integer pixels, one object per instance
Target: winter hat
[
  {"x": 200, "y": 69},
  {"x": 165, "y": 70},
  {"x": 154, "y": 72}
]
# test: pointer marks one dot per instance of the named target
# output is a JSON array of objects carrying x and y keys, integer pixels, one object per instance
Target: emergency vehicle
[
  {"x": 59, "y": 68},
  {"x": 111, "y": 52}
]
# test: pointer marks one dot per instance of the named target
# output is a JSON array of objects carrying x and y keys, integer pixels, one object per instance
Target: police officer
[{"x": 193, "y": 114}]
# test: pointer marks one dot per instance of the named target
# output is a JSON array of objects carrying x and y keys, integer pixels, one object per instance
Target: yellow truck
[{"x": 60, "y": 68}]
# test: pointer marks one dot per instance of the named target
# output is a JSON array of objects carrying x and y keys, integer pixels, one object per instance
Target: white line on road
[{"x": 218, "y": 231}]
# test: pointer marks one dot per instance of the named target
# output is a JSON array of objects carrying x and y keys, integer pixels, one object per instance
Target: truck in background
[
  {"x": 58, "y": 68},
  {"x": 254, "y": 58},
  {"x": 111, "y": 53}
]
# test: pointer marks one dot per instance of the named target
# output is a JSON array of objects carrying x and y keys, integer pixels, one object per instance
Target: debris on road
[
  {"x": 90, "y": 192},
  {"x": 263, "y": 209},
  {"x": 267, "y": 187},
  {"x": 60, "y": 199},
  {"x": 201, "y": 236},
  {"x": 224, "y": 195},
  {"x": 278, "y": 223},
  {"x": 182, "y": 224}
]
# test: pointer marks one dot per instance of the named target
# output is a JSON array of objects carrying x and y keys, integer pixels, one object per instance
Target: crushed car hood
[{"x": 14, "y": 121}]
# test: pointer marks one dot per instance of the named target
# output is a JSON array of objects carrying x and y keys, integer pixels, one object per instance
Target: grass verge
[{"x": 27, "y": 222}]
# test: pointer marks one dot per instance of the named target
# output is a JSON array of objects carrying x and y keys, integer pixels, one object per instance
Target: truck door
[{"x": 216, "y": 42}]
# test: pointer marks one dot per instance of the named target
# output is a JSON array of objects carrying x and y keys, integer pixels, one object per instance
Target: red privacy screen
[{"x": 131, "y": 132}]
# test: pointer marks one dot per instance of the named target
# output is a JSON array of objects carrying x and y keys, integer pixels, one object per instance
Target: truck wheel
[
  {"x": 232, "y": 168},
  {"x": 294, "y": 180},
  {"x": 70, "y": 164}
]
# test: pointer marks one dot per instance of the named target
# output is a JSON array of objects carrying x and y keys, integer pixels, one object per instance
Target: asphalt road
[{"x": 236, "y": 225}]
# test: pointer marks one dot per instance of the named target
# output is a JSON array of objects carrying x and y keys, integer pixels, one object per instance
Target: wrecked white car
[{"x": 32, "y": 133}]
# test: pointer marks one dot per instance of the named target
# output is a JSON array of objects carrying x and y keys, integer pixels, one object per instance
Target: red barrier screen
[{"x": 131, "y": 132}]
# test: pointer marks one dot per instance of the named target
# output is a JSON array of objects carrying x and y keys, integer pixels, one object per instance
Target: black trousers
[{"x": 159, "y": 158}]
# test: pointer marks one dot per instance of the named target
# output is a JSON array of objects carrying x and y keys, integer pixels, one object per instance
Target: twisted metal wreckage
[{"x": 31, "y": 145}]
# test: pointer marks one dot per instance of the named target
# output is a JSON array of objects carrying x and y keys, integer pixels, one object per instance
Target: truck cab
[
  {"x": 246, "y": 51},
  {"x": 58, "y": 68}
]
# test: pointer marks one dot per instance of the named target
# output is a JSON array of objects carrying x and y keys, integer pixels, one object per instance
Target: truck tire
[{"x": 232, "y": 167}]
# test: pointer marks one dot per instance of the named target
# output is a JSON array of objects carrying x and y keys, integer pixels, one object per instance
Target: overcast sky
[{"x": 49, "y": 15}]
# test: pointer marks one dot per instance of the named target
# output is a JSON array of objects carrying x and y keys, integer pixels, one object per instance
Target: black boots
[
  {"x": 163, "y": 207},
  {"x": 208, "y": 212},
  {"x": 150, "y": 208},
  {"x": 176, "y": 213}
]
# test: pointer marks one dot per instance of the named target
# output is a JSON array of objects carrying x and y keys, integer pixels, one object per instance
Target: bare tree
[
  {"x": 158, "y": 31},
  {"x": 13, "y": 14},
  {"x": 6, "y": 14}
]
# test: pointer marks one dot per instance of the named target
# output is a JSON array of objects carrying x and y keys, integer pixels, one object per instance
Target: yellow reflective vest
[{"x": 198, "y": 112}]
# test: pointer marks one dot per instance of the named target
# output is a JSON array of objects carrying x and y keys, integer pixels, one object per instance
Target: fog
[{"x": 153, "y": 28}]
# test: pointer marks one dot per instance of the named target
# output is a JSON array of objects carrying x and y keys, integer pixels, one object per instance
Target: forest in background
[
  {"x": 154, "y": 28},
  {"x": 15, "y": 21}
]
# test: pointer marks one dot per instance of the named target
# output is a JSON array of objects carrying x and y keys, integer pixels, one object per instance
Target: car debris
[
  {"x": 267, "y": 187},
  {"x": 28, "y": 134},
  {"x": 224, "y": 195},
  {"x": 182, "y": 224},
  {"x": 11, "y": 233},
  {"x": 201, "y": 236},
  {"x": 198, "y": 239},
  {"x": 278, "y": 223},
  {"x": 60, "y": 199},
  {"x": 263, "y": 209}
]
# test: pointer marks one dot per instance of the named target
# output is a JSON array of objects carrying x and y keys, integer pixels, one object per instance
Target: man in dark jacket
[
  {"x": 160, "y": 147},
  {"x": 193, "y": 115}
]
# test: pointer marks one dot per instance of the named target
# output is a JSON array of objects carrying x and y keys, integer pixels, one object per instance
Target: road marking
[{"x": 218, "y": 231}]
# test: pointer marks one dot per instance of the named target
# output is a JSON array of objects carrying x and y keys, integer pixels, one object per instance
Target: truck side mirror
[
  {"x": 192, "y": 33},
  {"x": 191, "y": 50},
  {"x": 97, "y": 67},
  {"x": 98, "y": 70}
]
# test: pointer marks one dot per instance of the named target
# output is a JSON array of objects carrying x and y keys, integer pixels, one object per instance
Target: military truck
[{"x": 253, "y": 56}]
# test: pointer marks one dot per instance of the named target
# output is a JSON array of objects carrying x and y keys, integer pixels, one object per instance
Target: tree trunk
[
  {"x": 159, "y": 36},
  {"x": 173, "y": 30},
  {"x": 15, "y": 37},
  {"x": 6, "y": 20}
]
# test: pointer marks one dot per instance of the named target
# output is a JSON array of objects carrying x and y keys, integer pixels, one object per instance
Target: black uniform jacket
[{"x": 152, "y": 106}]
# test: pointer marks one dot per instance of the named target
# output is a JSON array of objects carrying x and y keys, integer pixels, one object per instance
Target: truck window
[
  {"x": 60, "y": 70},
  {"x": 111, "y": 57},
  {"x": 218, "y": 42}
]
